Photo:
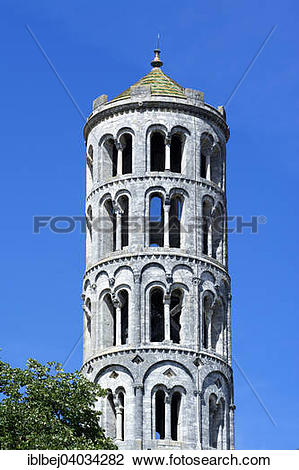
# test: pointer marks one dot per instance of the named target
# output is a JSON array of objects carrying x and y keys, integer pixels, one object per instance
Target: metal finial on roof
[{"x": 156, "y": 62}]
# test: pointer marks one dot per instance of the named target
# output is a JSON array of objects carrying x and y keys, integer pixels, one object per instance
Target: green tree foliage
[{"x": 43, "y": 407}]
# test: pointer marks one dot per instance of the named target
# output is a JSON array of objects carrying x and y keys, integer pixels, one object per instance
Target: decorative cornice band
[
  {"x": 116, "y": 180},
  {"x": 204, "y": 357},
  {"x": 206, "y": 262},
  {"x": 155, "y": 105}
]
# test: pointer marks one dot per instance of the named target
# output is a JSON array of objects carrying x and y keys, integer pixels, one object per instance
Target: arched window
[
  {"x": 124, "y": 205},
  {"x": 89, "y": 234},
  {"x": 126, "y": 142},
  {"x": 217, "y": 234},
  {"x": 88, "y": 316},
  {"x": 175, "y": 415},
  {"x": 216, "y": 165},
  {"x": 109, "y": 227},
  {"x": 176, "y": 300},
  {"x": 160, "y": 414},
  {"x": 175, "y": 215},
  {"x": 206, "y": 227},
  {"x": 157, "y": 151},
  {"x": 109, "y": 159},
  {"x": 89, "y": 167},
  {"x": 157, "y": 315},
  {"x": 156, "y": 221},
  {"x": 110, "y": 416},
  {"x": 216, "y": 422},
  {"x": 124, "y": 302},
  {"x": 89, "y": 221},
  {"x": 176, "y": 147},
  {"x": 207, "y": 313},
  {"x": 217, "y": 328},
  {"x": 108, "y": 322}
]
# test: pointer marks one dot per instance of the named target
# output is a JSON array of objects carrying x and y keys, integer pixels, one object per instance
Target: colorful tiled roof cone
[{"x": 161, "y": 84}]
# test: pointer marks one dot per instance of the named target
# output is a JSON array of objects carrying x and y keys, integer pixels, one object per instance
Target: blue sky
[{"x": 103, "y": 47}]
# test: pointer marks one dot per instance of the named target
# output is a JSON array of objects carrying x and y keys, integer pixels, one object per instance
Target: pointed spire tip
[{"x": 157, "y": 62}]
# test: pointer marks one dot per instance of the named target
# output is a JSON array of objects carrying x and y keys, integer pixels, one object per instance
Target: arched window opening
[
  {"x": 175, "y": 215},
  {"x": 110, "y": 416},
  {"x": 124, "y": 205},
  {"x": 124, "y": 301},
  {"x": 109, "y": 227},
  {"x": 176, "y": 147},
  {"x": 157, "y": 152},
  {"x": 157, "y": 315},
  {"x": 206, "y": 227},
  {"x": 88, "y": 316},
  {"x": 203, "y": 166},
  {"x": 207, "y": 305},
  {"x": 160, "y": 414},
  {"x": 212, "y": 421},
  {"x": 126, "y": 142},
  {"x": 89, "y": 221},
  {"x": 108, "y": 322},
  {"x": 176, "y": 300},
  {"x": 156, "y": 221},
  {"x": 216, "y": 166},
  {"x": 109, "y": 159},
  {"x": 217, "y": 234},
  {"x": 175, "y": 416},
  {"x": 216, "y": 422},
  {"x": 217, "y": 328},
  {"x": 90, "y": 165}
]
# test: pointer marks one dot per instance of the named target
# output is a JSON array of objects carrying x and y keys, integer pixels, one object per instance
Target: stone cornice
[
  {"x": 153, "y": 254},
  {"x": 204, "y": 357},
  {"x": 161, "y": 177},
  {"x": 211, "y": 114}
]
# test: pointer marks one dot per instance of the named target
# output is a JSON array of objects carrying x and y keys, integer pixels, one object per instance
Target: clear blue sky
[{"x": 103, "y": 47}]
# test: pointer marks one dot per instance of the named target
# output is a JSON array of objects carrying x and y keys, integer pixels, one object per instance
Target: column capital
[
  {"x": 196, "y": 281},
  {"x": 118, "y": 145},
  {"x": 137, "y": 276},
  {"x": 138, "y": 386},
  {"x": 115, "y": 300}
]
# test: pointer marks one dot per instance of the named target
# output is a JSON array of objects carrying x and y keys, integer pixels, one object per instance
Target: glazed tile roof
[{"x": 161, "y": 85}]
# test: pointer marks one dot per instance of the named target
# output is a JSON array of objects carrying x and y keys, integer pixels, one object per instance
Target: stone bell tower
[{"x": 156, "y": 291}]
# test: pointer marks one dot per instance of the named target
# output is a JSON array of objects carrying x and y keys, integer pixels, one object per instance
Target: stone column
[
  {"x": 135, "y": 316},
  {"x": 166, "y": 223},
  {"x": 117, "y": 306},
  {"x": 167, "y": 417},
  {"x": 167, "y": 153},
  {"x": 118, "y": 214},
  {"x": 138, "y": 389},
  {"x": 119, "y": 158},
  {"x": 167, "y": 317},
  {"x": 208, "y": 167},
  {"x": 119, "y": 411},
  {"x": 197, "y": 319}
]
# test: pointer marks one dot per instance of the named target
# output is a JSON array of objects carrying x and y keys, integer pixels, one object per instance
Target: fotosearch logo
[{"x": 64, "y": 224}]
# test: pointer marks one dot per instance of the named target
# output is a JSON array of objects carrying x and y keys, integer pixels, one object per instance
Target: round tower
[{"x": 156, "y": 291}]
